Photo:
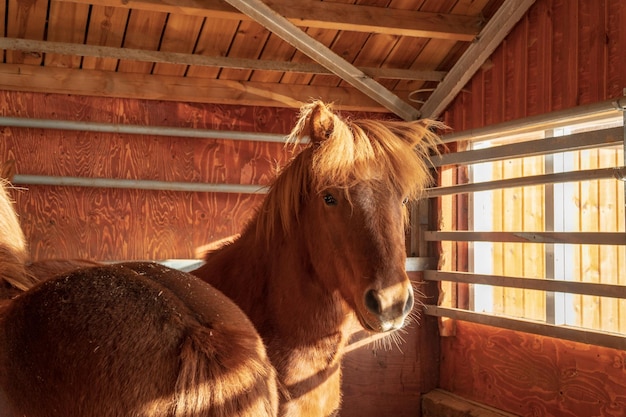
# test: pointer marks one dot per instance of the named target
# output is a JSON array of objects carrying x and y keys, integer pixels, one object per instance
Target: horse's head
[{"x": 356, "y": 178}]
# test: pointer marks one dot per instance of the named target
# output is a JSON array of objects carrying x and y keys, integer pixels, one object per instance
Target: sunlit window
[{"x": 593, "y": 205}]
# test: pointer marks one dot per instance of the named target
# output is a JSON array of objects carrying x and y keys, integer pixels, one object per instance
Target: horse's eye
[
  {"x": 329, "y": 200},
  {"x": 405, "y": 201}
]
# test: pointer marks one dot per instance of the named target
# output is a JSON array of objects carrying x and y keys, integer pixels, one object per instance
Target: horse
[
  {"x": 129, "y": 339},
  {"x": 325, "y": 251}
]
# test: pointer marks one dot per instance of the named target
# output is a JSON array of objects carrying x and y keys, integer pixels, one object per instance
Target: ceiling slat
[{"x": 325, "y": 15}]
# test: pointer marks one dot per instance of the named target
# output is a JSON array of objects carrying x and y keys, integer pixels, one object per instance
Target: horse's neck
[
  {"x": 277, "y": 288},
  {"x": 304, "y": 326}
]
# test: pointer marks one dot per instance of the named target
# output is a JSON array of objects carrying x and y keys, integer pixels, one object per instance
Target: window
[{"x": 545, "y": 240}]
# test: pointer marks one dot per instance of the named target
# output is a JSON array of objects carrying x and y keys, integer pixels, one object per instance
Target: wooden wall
[
  {"x": 126, "y": 224},
  {"x": 531, "y": 375},
  {"x": 564, "y": 53}
]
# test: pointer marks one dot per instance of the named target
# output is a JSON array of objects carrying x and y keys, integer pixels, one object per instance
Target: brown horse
[
  {"x": 134, "y": 339},
  {"x": 326, "y": 246}
]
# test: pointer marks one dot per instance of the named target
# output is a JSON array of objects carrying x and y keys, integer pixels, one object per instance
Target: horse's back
[{"x": 131, "y": 339}]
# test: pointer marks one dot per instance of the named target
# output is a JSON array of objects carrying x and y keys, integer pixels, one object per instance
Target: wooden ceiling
[{"x": 408, "y": 57}]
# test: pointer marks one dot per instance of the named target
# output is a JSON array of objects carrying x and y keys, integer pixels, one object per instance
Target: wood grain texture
[
  {"x": 389, "y": 381},
  {"x": 561, "y": 55},
  {"x": 116, "y": 224},
  {"x": 565, "y": 54},
  {"x": 533, "y": 375}
]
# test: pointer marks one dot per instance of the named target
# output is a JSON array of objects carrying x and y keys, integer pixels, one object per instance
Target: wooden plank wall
[
  {"x": 531, "y": 375},
  {"x": 120, "y": 224},
  {"x": 562, "y": 54}
]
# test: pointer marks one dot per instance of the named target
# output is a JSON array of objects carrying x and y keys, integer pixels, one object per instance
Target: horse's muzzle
[{"x": 386, "y": 311}]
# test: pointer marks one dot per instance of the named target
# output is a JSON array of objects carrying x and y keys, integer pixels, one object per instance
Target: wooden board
[
  {"x": 107, "y": 29},
  {"x": 533, "y": 375},
  {"x": 381, "y": 378},
  {"x": 25, "y": 20},
  {"x": 115, "y": 224}
]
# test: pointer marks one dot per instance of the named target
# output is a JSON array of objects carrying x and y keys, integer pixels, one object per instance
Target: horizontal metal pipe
[
  {"x": 139, "y": 130},
  {"x": 138, "y": 184},
  {"x": 596, "y": 111}
]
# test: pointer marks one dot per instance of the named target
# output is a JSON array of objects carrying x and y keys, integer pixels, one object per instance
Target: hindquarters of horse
[{"x": 131, "y": 340}]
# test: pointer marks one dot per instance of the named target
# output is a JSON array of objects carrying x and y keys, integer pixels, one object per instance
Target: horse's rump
[
  {"x": 131, "y": 339},
  {"x": 43, "y": 270}
]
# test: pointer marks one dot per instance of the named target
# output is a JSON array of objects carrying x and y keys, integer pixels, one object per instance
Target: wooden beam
[
  {"x": 18, "y": 77},
  {"x": 559, "y": 177},
  {"x": 579, "y": 238},
  {"x": 325, "y": 15},
  {"x": 576, "y": 334},
  {"x": 64, "y": 48},
  {"x": 317, "y": 51},
  {"x": 586, "y": 113},
  {"x": 488, "y": 40},
  {"x": 442, "y": 403},
  {"x": 541, "y": 284},
  {"x": 576, "y": 141}
]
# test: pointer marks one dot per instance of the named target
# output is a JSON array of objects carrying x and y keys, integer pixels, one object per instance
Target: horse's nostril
[
  {"x": 408, "y": 306},
  {"x": 372, "y": 303}
]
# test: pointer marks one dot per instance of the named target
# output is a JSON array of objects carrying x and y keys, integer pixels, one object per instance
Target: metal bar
[
  {"x": 541, "y": 284},
  {"x": 138, "y": 184},
  {"x": 317, "y": 51},
  {"x": 186, "y": 132},
  {"x": 592, "y": 337},
  {"x": 590, "y": 112},
  {"x": 577, "y": 141},
  {"x": 581, "y": 238},
  {"x": 573, "y": 176}
]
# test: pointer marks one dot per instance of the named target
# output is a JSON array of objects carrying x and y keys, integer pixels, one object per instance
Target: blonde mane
[
  {"x": 13, "y": 247},
  {"x": 390, "y": 154}
]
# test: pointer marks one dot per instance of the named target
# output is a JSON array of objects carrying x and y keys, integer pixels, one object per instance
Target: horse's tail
[
  {"x": 13, "y": 247},
  {"x": 231, "y": 377}
]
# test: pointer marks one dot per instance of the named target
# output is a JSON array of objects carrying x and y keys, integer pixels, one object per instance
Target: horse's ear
[{"x": 322, "y": 121}]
